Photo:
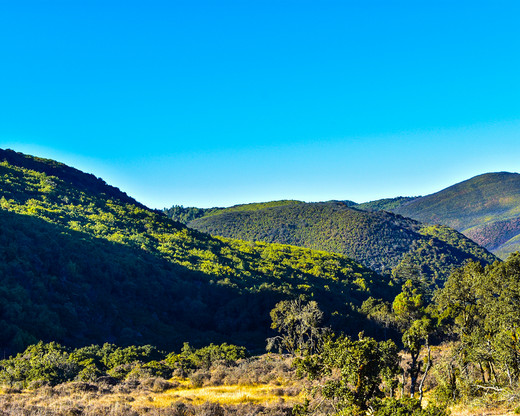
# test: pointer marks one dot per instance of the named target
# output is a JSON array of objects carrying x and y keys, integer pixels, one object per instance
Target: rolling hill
[
  {"x": 380, "y": 240},
  {"x": 82, "y": 262},
  {"x": 185, "y": 215},
  {"x": 386, "y": 204},
  {"x": 485, "y": 208}
]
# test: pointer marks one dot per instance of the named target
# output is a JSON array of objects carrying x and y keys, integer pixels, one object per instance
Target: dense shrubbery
[
  {"x": 406, "y": 407},
  {"x": 52, "y": 364},
  {"x": 190, "y": 359}
]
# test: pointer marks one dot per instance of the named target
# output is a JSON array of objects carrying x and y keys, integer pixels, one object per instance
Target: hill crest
[
  {"x": 485, "y": 208},
  {"x": 380, "y": 240}
]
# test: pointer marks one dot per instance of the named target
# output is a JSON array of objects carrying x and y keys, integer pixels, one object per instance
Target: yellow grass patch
[{"x": 229, "y": 395}]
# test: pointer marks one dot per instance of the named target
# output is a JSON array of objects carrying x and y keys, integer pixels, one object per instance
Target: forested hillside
[
  {"x": 82, "y": 262},
  {"x": 485, "y": 208},
  {"x": 386, "y": 204},
  {"x": 187, "y": 214},
  {"x": 380, "y": 240}
]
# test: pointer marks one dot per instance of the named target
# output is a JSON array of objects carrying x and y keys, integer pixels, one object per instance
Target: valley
[{"x": 275, "y": 308}]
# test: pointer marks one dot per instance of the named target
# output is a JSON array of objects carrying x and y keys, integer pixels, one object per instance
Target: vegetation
[
  {"x": 52, "y": 364},
  {"x": 109, "y": 380},
  {"x": 352, "y": 376},
  {"x": 254, "y": 206},
  {"x": 188, "y": 214},
  {"x": 299, "y": 326},
  {"x": 387, "y": 204},
  {"x": 84, "y": 264},
  {"x": 481, "y": 307},
  {"x": 99, "y": 278},
  {"x": 484, "y": 208},
  {"x": 345, "y": 376},
  {"x": 379, "y": 240}
]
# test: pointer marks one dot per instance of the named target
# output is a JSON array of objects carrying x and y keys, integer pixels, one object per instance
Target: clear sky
[{"x": 213, "y": 103}]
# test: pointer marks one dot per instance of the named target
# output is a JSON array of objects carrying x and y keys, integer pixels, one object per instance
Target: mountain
[
  {"x": 82, "y": 262},
  {"x": 485, "y": 208},
  {"x": 380, "y": 240}
]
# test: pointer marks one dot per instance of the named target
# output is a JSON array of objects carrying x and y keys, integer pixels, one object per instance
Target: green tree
[
  {"x": 415, "y": 325},
  {"x": 298, "y": 323},
  {"x": 351, "y": 373},
  {"x": 481, "y": 306}
]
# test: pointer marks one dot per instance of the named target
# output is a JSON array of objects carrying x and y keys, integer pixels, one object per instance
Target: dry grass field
[
  {"x": 259, "y": 386},
  {"x": 265, "y": 385},
  {"x": 136, "y": 399}
]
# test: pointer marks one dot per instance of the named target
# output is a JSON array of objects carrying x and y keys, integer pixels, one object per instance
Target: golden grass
[{"x": 225, "y": 395}]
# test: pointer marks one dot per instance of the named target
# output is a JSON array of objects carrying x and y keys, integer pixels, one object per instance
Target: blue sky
[{"x": 215, "y": 103}]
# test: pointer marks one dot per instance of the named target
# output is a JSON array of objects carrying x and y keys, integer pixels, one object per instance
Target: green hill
[
  {"x": 380, "y": 240},
  {"x": 84, "y": 263},
  {"x": 485, "y": 208},
  {"x": 387, "y": 204},
  {"x": 185, "y": 215}
]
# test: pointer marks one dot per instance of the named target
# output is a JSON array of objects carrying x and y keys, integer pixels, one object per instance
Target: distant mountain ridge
[{"x": 486, "y": 208}]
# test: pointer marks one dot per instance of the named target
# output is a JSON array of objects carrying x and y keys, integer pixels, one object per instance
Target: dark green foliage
[
  {"x": 299, "y": 326},
  {"x": 357, "y": 378},
  {"x": 190, "y": 359},
  {"x": 109, "y": 356},
  {"x": 484, "y": 208},
  {"x": 54, "y": 364},
  {"x": 482, "y": 307},
  {"x": 406, "y": 407},
  {"x": 188, "y": 214},
  {"x": 387, "y": 204},
  {"x": 358, "y": 369},
  {"x": 185, "y": 215},
  {"x": 63, "y": 285},
  {"x": 415, "y": 324},
  {"x": 39, "y": 364},
  {"x": 81, "y": 263},
  {"x": 380, "y": 240}
]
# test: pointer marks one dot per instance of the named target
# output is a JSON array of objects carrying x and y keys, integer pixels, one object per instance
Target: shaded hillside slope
[
  {"x": 486, "y": 208},
  {"x": 82, "y": 263},
  {"x": 380, "y": 240}
]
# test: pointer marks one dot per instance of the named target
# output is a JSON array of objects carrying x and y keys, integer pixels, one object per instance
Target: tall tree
[
  {"x": 415, "y": 325},
  {"x": 298, "y": 323}
]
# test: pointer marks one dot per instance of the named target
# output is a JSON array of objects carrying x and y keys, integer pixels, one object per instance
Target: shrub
[
  {"x": 198, "y": 378},
  {"x": 406, "y": 407}
]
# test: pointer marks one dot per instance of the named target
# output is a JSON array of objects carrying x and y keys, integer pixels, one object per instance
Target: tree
[
  {"x": 416, "y": 325},
  {"x": 481, "y": 306},
  {"x": 299, "y": 326},
  {"x": 352, "y": 372}
]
